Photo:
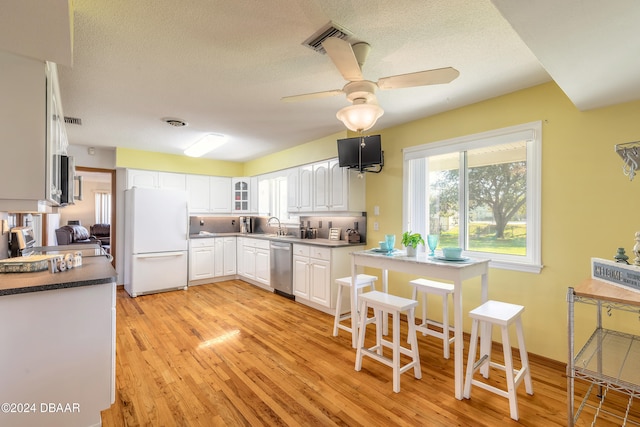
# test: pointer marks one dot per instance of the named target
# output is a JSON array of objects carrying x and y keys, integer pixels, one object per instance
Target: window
[
  {"x": 481, "y": 193},
  {"x": 103, "y": 208}
]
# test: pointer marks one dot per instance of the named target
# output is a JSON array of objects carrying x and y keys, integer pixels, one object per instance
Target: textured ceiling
[{"x": 222, "y": 66}]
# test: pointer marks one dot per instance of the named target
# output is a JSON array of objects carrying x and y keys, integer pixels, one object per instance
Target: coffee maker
[{"x": 246, "y": 224}]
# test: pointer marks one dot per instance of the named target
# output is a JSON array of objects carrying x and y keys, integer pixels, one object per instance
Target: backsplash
[
  {"x": 231, "y": 224},
  {"x": 226, "y": 224}
]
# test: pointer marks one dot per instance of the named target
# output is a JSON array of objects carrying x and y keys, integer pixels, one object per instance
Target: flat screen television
[{"x": 352, "y": 153}]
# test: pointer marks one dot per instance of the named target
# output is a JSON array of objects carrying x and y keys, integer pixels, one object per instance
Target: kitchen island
[{"x": 58, "y": 345}]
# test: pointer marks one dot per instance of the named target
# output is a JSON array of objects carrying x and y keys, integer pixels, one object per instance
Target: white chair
[
  {"x": 426, "y": 287},
  {"x": 362, "y": 281},
  {"x": 501, "y": 314},
  {"x": 383, "y": 303}
]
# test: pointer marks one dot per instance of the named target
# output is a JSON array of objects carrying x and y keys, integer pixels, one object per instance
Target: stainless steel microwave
[{"x": 65, "y": 193}]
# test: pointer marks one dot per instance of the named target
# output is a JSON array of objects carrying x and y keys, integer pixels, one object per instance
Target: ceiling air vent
[
  {"x": 330, "y": 30},
  {"x": 73, "y": 121},
  {"x": 174, "y": 122}
]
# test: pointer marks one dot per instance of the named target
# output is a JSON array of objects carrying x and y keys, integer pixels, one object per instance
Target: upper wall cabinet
[
  {"x": 245, "y": 195},
  {"x": 209, "y": 194},
  {"x": 299, "y": 189},
  {"x": 337, "y": 189},
  {"x": 220, "y": 194},
  {"x": 28, "y": 87},
  {"x": 155, "y": 179}
]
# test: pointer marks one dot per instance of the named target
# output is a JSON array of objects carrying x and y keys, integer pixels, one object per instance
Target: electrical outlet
[
  {"x": 376, "y": 227},
  {"x": 233, "y": 222},
  {"x": 376, "y": 210},
  {"x": 202, "y": 222}
]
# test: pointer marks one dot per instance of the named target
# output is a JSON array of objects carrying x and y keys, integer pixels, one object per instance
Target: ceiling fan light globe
[{"x": 360, "y": 117}]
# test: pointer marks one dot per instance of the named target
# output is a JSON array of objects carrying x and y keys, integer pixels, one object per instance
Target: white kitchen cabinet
[
  {"x": 220, "y": 194},
  {"x": 212, "y": 257},
  {"x": 299, "y": 189},
  {"x": 142, "y": 178},
  {"x": 201, "y": 259},
  {"x": 315, "y": 270},
  {"x": 244, "y": 192},
  {"x": 198, "y": 187},
  {"x": 229, "y": 262},
  {"x": 29, "y": 110},
  {"x": 255, "y": 261},
  {"x": 320, "y": 281},
  {"x": 263, "y": 269},
  {"x": 240, "y": 190},
  {"x": 240, "y": 256},
  {"x": 172, "y": 181},
  {"x": 337, "y": 189},
  {"x": 300, "y": 271},
  {"x": 225, "y": 256},
  {"x": 155, "y": 179},
  {"x": 218, "y": 255},
  {"x": 62, "y": 350},
  {"x": 209, "y": 194}
]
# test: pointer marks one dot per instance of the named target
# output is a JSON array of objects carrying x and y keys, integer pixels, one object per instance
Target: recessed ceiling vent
[
  {"x": 330, "y": 30},
  {"x": 73, "y": 121},
  {"x": 174, "y": 122}
]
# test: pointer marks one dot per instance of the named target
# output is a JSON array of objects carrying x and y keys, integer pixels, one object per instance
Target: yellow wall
[
  {"x": 589, "y": 208},
  {"x": 147, "y": 160},
  {"x": 323, "y": 148}
]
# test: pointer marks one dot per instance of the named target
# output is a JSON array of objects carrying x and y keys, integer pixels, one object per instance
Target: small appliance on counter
[
  {"x": 353, "y": 236},
  {"x": 22, "y": 240},
  {"x": 247, "y": 224}
]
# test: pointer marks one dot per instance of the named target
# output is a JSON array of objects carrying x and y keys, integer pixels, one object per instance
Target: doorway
[{"x": 95, "y": 209}]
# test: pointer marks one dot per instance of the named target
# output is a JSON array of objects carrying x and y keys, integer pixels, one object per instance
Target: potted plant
[{"x": 411, "y": 241}]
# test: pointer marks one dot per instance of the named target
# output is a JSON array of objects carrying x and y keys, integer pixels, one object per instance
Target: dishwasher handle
[{"x": 283, "y": 247}]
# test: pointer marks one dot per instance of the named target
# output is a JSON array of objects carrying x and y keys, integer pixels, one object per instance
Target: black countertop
[
  {"x": 290, "y": 239},
  {"x": 94, "y": 271}
]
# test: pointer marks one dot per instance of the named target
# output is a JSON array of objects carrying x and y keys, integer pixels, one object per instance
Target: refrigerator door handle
[{"x": 161, "y": 255}]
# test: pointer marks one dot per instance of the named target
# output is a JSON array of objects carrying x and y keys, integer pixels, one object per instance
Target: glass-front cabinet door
[{"x": 241, "y": 194}]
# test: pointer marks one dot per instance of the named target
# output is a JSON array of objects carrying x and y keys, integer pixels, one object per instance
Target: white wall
[{"x": 103, "y": 158}]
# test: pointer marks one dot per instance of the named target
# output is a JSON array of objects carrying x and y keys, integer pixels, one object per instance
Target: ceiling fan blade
[
  {"x": 420, "y": 78},
  {"x": 341, "y": 53},
  {"x": 315, "y": 95}
]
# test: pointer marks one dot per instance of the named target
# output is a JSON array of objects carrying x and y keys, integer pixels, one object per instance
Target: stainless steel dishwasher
[{"x": 281, "y": 255}]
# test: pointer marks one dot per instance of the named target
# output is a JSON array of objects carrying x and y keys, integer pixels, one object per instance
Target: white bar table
[{"x": 424, "y": 266}]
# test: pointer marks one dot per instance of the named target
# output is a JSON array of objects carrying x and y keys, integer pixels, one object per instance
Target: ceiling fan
[{"x": 349, "y": 60}]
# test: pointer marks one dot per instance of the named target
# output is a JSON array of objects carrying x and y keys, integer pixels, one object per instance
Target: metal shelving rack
[{"x": 610, "y": 360}]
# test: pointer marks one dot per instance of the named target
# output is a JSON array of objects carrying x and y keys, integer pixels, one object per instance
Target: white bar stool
[
  {"x": 444, "y": 290},
  {"x": 383, "y": 303},
  {"x": 362, "y": 281},
  {"x": 502, "y": 314}
]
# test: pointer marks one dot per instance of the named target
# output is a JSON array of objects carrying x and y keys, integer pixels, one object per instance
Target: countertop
[
  {"x": 291, "y": 239},
  {"x": 94, "y": 271}
]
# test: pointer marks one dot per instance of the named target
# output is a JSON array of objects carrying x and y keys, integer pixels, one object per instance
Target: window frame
[{"x": 530, "y": 132}]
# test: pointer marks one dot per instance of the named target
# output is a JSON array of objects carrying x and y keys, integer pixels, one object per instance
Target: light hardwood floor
[{"x": 232, "y": 354}]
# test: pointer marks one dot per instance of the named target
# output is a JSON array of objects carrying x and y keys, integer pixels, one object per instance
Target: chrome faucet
[{"x": 280, "y": 232}]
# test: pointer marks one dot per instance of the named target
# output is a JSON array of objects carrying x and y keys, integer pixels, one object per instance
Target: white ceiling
[{"x": 222, "y": 66}]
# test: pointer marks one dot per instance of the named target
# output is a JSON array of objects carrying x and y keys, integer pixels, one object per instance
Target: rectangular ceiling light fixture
[{"x": 205, "y": 144}]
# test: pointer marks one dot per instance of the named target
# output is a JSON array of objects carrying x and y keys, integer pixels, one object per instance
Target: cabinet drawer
[
  {"x": 302, "y": 250},
  {"x": 201, "y": 243},
  {"x": 262, "y": 244},
  {"x": 320, "y": 253}
]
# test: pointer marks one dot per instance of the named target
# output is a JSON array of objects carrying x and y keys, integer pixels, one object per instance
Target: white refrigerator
[{"x": 156, "y": 240}]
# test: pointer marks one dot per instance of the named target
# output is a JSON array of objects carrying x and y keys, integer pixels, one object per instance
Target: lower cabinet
[
  {"x": 201, "y": 259},
  {"x": 315, "y": 270},
  {"x": 255, "y": 261},
  {"x": 212, "y": 257},
  {"x": 58, "y": 349}
]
